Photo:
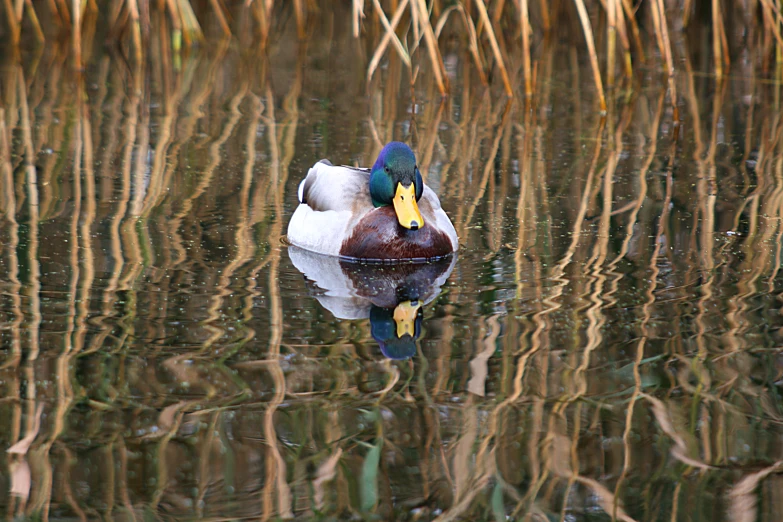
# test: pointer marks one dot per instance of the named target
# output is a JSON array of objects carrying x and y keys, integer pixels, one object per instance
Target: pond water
[{"x": 605, "y": 345}]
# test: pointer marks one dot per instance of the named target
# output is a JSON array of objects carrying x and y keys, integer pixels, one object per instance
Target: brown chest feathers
[{"x": 378, "y": 236}]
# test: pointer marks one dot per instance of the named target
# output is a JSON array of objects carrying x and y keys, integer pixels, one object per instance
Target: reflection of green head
[{"x": 397, "y": 330}]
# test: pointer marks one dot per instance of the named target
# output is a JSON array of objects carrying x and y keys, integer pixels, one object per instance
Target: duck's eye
[{"x": 386, "y": 169}]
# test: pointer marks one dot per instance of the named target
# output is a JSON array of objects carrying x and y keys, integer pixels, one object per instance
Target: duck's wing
[
  {"x": 328, "y": 187},
  {"x": 431, "y": 211},
  {"x": 331, "y": 201}
]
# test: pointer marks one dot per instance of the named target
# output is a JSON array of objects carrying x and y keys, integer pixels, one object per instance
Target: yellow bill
[
  {"x": 406, "y": 208},
  {"x": 405, "y": 317}
]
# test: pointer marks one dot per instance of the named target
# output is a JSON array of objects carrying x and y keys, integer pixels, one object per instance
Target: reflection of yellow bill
[
  {"x": 405, "y": 317},
  {"x": 406, "y": 208}
]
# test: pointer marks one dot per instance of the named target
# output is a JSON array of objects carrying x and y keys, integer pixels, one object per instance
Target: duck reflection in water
[{"x": 390, "y": 295}]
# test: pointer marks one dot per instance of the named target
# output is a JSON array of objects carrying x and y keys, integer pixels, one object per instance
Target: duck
[{"x": 384, "y": 213}]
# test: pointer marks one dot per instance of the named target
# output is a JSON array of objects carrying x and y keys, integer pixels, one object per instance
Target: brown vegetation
[{"x": 490, "y": 36}]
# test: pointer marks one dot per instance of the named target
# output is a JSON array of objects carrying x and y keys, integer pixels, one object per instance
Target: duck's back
[{"x": 331, "y": 200}]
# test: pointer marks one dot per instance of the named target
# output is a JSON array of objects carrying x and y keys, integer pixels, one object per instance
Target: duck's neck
[{"x": 381, "y": 188}]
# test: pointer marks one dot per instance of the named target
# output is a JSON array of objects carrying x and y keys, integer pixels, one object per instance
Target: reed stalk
[
  {"x": 389, "y": 36},
  {"x": 686, "y": 12},
  {"x": 358, "y": 14},
  {"x": 546, "y": 23},
  {"x": 622, "y": 31},
  {"x": 776, "y": 26},
  {"x": 470, "y": 28},
  {"x": 221, "y": 18},
  {"x": 133, "y": 10},
  {"x": 588, "y": 30},
  {"x": 525, "y": 25},
  {"x": 482, "y": 9},
  {"x": 191, "y": 29},
  {"x": 33, "y": 17},
  {"x": 717, "y": 47},
  {"x": 631, "y": 16},
  {"x": 299, "y": 11},
  {"x": 64, "y": 11},
  {"x": 176, "y": 25},
  {"x": 415, "y": 25},
  {"x": 724, "y": 42},
  {"x": 13, "y": 23},
  {"x": 669, "y": 60},
  {"x": 77, "y": 33},
  {"x": 768, "y": 9},
  {"x": 420, "y": 7},
  {"x": 611, "y": 41}
]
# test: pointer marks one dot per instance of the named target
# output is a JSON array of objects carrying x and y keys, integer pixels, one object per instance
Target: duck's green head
[{"x": 395, "y": 180}]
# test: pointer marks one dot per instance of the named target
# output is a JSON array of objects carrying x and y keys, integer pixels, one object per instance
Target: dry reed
[{"x": 128, "y": 19}]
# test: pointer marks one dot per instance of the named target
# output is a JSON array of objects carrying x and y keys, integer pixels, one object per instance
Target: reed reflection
[
  {"x": 391, "y": 296},
  {"x": 608, "y": 345}
]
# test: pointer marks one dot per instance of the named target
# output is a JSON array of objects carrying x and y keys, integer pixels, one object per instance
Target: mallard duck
[{"x": 383, "y": 213}]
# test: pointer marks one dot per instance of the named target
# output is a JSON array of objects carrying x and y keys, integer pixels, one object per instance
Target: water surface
[{"x": 604, "y": 347}]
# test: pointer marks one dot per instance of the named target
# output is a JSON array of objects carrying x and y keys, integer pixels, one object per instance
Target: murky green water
[{"x": 604, "y": 347}]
